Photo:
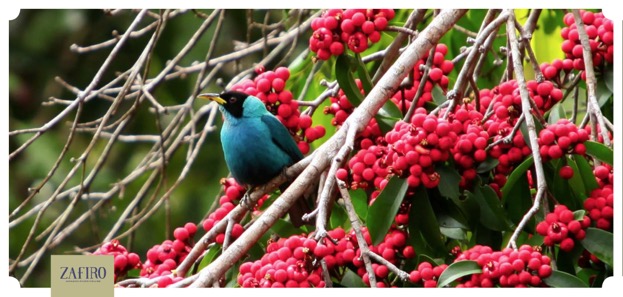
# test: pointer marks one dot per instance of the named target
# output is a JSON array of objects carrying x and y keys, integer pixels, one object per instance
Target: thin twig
[{"x": 81, "y": 97}]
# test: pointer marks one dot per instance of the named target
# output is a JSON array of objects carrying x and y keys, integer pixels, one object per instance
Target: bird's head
[{"x": 232, "y": 102}]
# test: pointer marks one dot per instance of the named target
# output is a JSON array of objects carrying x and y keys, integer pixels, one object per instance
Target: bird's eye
[{"x": 233, "y": 99}]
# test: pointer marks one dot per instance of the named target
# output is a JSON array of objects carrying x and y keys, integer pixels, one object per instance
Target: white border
[{"x": 10, "y": 10}]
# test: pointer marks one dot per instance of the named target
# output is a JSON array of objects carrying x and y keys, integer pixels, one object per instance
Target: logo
[{"x": 81, "y": 275}]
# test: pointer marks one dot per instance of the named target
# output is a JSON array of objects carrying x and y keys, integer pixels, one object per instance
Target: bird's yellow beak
[{"x": 212, "y": 97}]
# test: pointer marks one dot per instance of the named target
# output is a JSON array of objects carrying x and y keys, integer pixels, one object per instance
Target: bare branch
[{"x": 534, "y": 145}]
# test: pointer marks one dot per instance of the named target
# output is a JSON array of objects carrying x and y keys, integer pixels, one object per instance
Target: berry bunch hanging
[{"x": 354, "y": 29}]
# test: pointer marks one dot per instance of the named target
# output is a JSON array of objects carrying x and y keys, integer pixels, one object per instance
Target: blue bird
[{"x": 256, "y": 145}]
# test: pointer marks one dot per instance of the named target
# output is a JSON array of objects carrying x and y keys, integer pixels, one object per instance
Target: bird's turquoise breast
[{"x": 251, "y": 155}]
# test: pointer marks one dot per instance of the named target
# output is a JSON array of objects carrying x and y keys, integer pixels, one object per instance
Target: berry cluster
[
  {"x": 269, "y": 86},
  {"x": 599, "y": 206},
  {"x": 123, "y": 261},
  {"x": 469, "y": 150},
  {"x": 600, "y": 33},
  {"x": 508, "y": 154},
  {"x": 367, "y": 167},
  {"x": 544, "y": 94},
  {"x": 233, "y": 193},
  {"x": 506, "y": 98},
  {"x": 164, "y": 257},
  {"x": 552, "y": 71},
  {"x": 294, "y": 261},
  {"x": 415, "y": 147},
  {"x": 427, "y": 275},
  {"x": 507, "y": 268},
  {"x": 604, "y": 175},
  {"x": 560, "y": 138},
  {"x": 437, "y": 75},
  {"x": 353, "y": 27},
  {"x": 341, "y": 108},
  {"x": 393, "y": 248},
  {"x": 560, "y": 227},
  {"x": 287, "y": 263}
]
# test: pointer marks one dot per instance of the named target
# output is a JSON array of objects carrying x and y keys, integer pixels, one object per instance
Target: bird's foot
[{"x": 246, "y": 200}]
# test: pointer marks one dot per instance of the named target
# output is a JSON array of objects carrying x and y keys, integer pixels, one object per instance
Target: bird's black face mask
[{"x": 232, "y": 101}]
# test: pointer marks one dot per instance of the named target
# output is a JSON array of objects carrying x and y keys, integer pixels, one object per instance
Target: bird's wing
[{"x": 282, "y": 138}]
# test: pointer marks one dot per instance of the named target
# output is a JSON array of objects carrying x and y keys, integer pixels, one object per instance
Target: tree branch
[{"x": 534, "y": 145}]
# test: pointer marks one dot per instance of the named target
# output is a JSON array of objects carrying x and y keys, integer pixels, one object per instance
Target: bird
[{"x": 256, "y": 145}]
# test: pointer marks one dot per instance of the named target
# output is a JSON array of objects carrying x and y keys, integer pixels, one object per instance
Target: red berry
[
  {"x": 341, "y": 174},
  {"x": 545, "y": 88},
  {"x": 435, "y": 74},
  {"x": 566, "y": 172},
  {"x": 408, "y": 252},
  {"x": 278, "y": 84},
  {"x": 181, "y": 234},
  {"x": 550, "y": 72}
]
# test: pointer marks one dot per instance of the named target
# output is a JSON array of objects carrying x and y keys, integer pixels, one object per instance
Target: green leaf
[
  {"x": 134, "y": 273},
  {"x": 423, "y": 220},
  {"x": 609, "y": 79},
  {"x": 346, "y": 80},
  {"x": 284, "y": 228},
  {"x": 524, "y": 129},
  {"x": 454, "y": 233},
  {"x": 600, "y": 243},
  {"x": 599, "y": 151},
  {"x": 362, "y": 73},
  {"x": 448, "y": 221},
  {"x": 457, "y": 270},
  {"x": 586, "y": 173},
  {"x": 390, "y": 110},
  {"x": 386, "y": 123},
  {"x": 429, "y": 259},
  {"x": 579, "y": 214},
  {"x": 560, "y": 279},
  {"x": 576, "y": 182},
  {"x": 559, "y": 186},
  {"x": 338, "y": 218},
  {"x": 603, "y": 92},
  {"x": 382, "y": 212},
  {"x": 438, "y": 95},
  {"x": 352, "y": 280},
  {"x": 517, "y": 173},
  {"x": 518, "y": 200},
  {"x": 449, "y": 181},
  {"x": 492, "y": 214},
  {"x": 360, "y": 202},
  {"x": 556, "y": 113},
  {"x": 209, "y": 256},
  {"x": 487, "y": 165}
]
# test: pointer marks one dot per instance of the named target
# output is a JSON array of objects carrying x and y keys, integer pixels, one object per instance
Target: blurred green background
[{"x": 39, "y": 50}]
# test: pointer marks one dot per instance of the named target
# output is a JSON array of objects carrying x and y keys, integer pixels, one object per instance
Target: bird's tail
[{"x": 302, "y": 206}]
